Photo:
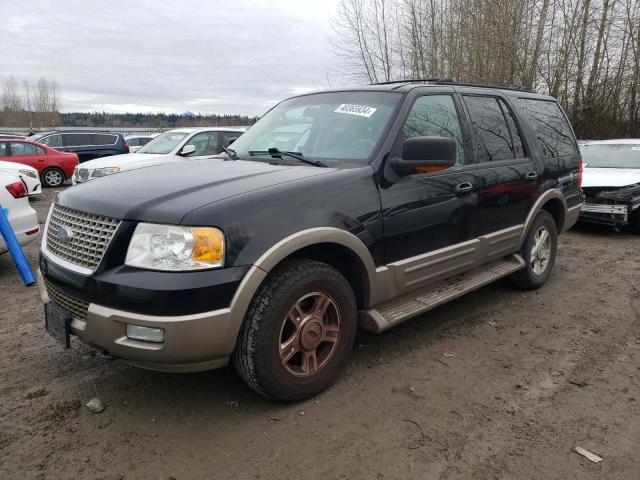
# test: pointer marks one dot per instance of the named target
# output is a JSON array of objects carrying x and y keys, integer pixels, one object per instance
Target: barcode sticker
[{"x": 360, "y": 110}]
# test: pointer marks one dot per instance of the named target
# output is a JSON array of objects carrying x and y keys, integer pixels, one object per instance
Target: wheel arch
[
  {"x": 339, "y": 248},
  {"x": 554, "y": 202}
]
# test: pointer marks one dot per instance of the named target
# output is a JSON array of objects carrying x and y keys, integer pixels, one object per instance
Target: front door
[{"x": 427, "y": 215}]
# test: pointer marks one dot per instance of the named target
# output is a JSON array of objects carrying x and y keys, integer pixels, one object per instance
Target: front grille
[
  {"x": 78, "y": 237},
  {"x": 77, "y": 307},
  {"x": 83, "y": 174}
]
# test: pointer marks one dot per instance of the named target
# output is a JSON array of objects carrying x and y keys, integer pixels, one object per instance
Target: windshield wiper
[
  {"x": 231, "y": 152},
  {"x": 277, "y": 153}
]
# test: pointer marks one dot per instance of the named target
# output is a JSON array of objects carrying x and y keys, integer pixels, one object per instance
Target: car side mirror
[
  {"x": 188, "y": 150},
  {"x": 231, "y": 140},
  {"x": 425, "y": 153}
]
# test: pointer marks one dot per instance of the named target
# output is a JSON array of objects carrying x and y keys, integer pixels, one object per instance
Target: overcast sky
[{"x": 208, "y": 56}]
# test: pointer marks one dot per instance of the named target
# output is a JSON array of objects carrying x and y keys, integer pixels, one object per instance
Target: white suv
[{"x": 168, "y": 147}]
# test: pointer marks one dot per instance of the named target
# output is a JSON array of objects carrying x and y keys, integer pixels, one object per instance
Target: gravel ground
[{"x": 499, "y": 384}]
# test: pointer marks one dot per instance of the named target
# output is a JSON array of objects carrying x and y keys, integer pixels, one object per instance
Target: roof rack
[{"x": 449, "y": 81}]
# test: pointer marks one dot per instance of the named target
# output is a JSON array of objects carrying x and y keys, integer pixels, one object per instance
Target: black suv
[
  {"x": 87, "y": 144},
  {"x": 354, "y": 207}
]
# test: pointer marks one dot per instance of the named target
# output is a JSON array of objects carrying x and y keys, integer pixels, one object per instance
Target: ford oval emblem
[{"x": 64, "y": 234}]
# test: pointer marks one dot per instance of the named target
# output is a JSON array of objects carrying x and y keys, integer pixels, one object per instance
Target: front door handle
[
  {"x": 463, "y": 188},
  {"x": 531, "y": 176}
]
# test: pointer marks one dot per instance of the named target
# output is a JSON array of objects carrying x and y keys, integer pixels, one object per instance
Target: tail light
[
  {"x": 126, "y": 147},
  {"x": 579, "y": 178},
  {"x": 17, "y": 190}
]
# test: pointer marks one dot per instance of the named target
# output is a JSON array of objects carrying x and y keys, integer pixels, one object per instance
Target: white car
[
  {"x": 169, "y": 147},
  {"x": 611, "y": 182},
  {"x": 27, "y": 174},
  {"x": 136, "y": 142},
  {"x": 15, "y": 203}
]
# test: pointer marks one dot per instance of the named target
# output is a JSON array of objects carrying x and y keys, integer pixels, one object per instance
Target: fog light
[{"x": 145, "y": 334}]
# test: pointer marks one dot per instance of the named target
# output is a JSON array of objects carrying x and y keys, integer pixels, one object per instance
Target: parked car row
[{"x": 168, "y": 147}]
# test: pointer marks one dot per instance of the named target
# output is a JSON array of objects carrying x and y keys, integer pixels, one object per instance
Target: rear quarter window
[
  {"x": 77, "y": 139},
  {"x": 552, "y": 130},
  {"x": 103, "y": 139}
]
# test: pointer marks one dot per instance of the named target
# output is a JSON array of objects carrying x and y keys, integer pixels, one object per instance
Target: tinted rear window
[
  {"x": 551, "y": 127},
  {"x": 103, "y": 139},
  {"x": 76, "y": 139}
]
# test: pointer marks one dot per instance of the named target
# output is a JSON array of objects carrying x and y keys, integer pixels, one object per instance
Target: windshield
[
  {"x": 337, "y": 128},
  {"x": 37, "y": 136},
  {"x": 164, "y": 143},
  {"x": 611, "y": 155}
]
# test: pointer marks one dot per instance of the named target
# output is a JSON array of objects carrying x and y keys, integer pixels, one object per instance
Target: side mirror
[
  {"x": 231, "y": 140},
  {"x": 436, "y": 153},
  {"x": 187, "y": 150}
]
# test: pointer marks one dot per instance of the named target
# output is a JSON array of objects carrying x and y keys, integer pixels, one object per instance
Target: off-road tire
[
  {"x": 256, "y": 357},
  {"x": 52, "y": 173},
  {"x": 527, "y": 278}
]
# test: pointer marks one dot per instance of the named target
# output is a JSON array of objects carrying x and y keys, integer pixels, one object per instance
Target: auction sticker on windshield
[{"x": 360, "y": 110}]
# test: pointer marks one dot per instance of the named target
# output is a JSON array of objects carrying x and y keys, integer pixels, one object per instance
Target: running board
[{"x": 388, "y": 314}]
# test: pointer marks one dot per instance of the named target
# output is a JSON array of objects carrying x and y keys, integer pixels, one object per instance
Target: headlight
[
  {"x": 168, "y": 247},
  {"x": 29, "y": 173},
  {"x": 103, "y": 172}
]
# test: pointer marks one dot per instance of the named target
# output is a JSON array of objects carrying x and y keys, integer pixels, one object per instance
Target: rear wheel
[
  {"x": 298, "y": 331},
  {"x": 539, "y": 253},
  {"x": 52, "y": 177}
]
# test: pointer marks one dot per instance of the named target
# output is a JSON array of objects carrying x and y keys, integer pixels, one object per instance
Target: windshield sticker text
[{"x": 360, "y": 110}]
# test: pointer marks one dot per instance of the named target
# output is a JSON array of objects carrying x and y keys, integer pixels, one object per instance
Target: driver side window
[
  {"x": 435, "y": 116},
  {"x": 206, "y": 143}
]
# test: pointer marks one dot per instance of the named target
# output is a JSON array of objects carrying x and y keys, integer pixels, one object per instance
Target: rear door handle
[
  {"x": 463, "y": 188},
  {"x": 531, "y": 176}
]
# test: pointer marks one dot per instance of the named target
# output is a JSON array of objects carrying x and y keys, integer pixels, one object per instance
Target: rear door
[
  {"x": 504, "y": 172},
  {"x": 80, "y": 144},
  {"x": 25, "y": 153}
]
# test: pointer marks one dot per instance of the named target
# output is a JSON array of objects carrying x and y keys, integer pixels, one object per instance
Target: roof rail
[{"x": 449, "y": 81}]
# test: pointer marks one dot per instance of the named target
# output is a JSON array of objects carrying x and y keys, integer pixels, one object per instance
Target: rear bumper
[{"x": 25, "y": 226}]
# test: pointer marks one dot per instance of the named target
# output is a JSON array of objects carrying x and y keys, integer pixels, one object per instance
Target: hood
[
  {"x": 130, "y": 161},
  {"x": 165, "y": 194},
  {"x": 610, "y": 177}
]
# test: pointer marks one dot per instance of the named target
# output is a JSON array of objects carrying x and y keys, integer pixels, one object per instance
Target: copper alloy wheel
[{"x": 309, "y": 334}]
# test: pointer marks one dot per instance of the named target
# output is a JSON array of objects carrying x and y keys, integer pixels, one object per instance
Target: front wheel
[
  {"x": 52, "y": 177},
  {"x": 298, "y": 331},
  {"x": 539, "y": 253}
]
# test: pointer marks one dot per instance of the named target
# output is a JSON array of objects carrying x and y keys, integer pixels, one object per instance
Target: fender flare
[
  {"x": 278, "y": 252},
  {"x": 553, "y": 194}
]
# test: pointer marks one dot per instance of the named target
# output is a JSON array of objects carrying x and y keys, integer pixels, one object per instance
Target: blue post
[{"x": 15, "y": 249}]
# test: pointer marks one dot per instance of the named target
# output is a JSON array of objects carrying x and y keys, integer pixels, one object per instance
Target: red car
[{"x": 53, "y": 166}]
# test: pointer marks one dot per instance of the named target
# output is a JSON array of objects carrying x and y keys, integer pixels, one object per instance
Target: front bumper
[
  {"x": 191, "y": 342},
  {"x": 608, "y": 214}
]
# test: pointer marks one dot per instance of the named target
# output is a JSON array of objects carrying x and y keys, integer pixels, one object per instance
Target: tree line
[
  {"x": 35, "y": 105},
  {"x": 31, "y": 104},
  {"x": 586, "y": 53}
]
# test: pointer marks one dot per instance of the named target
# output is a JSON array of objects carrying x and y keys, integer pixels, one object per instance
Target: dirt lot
[{"x": 500, "y": 384}]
